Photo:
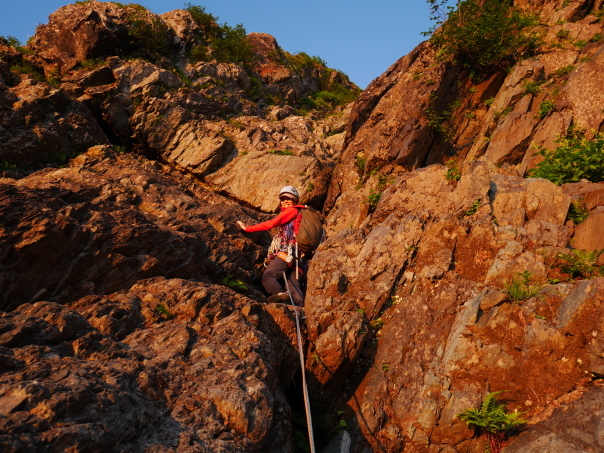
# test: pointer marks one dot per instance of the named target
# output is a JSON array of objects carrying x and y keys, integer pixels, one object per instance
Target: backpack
[{"x": 310, "y": 232}]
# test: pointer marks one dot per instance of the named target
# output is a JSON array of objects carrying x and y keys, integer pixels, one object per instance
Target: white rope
[{"x": 311, "y": 438}]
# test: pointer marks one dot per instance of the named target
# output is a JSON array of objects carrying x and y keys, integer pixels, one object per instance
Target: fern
[
  {"x": 493, "y": 419},
  {"x": 577, "y": 212},
  {"x": 581, "y": 263}
]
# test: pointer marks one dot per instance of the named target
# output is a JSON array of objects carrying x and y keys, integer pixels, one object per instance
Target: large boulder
[
  {"x": 92, "y": 29},
  {"x": 273, "y": 154},
  {"x": 93, "y": 228},
  {"x": 166, "y": 364}
]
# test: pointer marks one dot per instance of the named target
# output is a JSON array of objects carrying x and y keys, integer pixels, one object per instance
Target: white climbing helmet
[{"x": 291, "y": 190}]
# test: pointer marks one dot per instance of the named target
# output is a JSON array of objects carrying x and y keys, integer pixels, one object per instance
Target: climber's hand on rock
[{"x": 241, "y": 224}]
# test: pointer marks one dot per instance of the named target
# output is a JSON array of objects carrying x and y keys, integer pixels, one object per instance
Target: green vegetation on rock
[
  {"x": 481, "y": 35},
  {"x": 453, "y": 171},
  {"x": 581, "y": 263},
  {"x": 228, "y": 44},
  {"x": 577, "y": 212},
  {"x": 148, "y": 36},
  {"x": 493, "y": 419},
  {"x": 519, "y": 288},
  {"x": 574, "y": 159},
  {"x": 235, "y": 284},
  {"x": 223, "y": 43},
  {"x": 545, "y": 108}
]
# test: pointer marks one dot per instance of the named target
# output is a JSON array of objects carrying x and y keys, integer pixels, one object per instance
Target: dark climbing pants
[{"x": 273, "y": 272}]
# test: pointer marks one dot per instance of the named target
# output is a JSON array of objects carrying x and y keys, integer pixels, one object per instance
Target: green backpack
[{"x": 310, "y": 232}]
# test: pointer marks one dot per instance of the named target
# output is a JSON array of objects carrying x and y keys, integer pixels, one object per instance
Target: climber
[{"x": 283, "y": 254}]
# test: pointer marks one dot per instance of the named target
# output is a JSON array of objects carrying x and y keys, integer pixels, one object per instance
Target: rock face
[
  {"x": 117, "y": 324},
  {"x": 408, "y": 299},
  {"x": 89, "y": 367},
  {"x": 419, "y": 112},
  {"x": 41, "y": 124},
  {"x": 165, "y": 104},
  {"x": 197, "y": 375},
  {"x": 131, "y": 311},
  {"x": 559, "y": 432},
  {"x": 412, "y": 306},
  {"x": 93, "y": 29},
  {"x": 105, "y": 216}
]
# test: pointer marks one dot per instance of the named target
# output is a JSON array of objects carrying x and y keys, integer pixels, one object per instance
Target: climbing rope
[{"x": 311, "y": 438}]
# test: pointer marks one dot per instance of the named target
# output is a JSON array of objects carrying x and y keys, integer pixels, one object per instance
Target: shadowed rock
[{"x": 118, "y": 371}]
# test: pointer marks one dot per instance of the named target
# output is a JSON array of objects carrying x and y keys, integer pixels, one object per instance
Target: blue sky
[{"x": 360, "y": 38}]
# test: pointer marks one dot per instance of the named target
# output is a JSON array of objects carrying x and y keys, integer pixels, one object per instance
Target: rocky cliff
[{"x": 132, "y": 318}]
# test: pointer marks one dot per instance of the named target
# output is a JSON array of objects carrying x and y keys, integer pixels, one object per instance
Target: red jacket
[{"x": 286, "y": 215}]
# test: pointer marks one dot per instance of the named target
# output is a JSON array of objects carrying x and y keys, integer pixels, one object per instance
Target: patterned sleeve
[{"x": 285, "y": 216}]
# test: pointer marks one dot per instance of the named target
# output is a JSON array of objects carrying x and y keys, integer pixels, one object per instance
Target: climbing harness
[{"x": 311, "y": 439}]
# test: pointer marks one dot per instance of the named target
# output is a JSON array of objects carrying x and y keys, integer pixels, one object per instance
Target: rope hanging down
[{"x": 311, "y": 438}]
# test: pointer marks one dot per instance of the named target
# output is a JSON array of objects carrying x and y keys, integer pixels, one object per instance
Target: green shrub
[
  {"x": 333, "y": 91},
  {"x": 545, "y": 108},
  {"x": 376, "y": 194},
  {"x": 224, "y": 43},
  {"x": 12, "y": 41},
  {"x": 377, "y": 323},
  {"x": 93, "y": 63},
  {"x": 574, "y": 159},
  {"x": 482, "y": 34},
  {"x": 519, "y": 287},
  {"x": 300, "y": 429},
  {"x": 229, "y": 44},
  {"x": 472, "y": 210},
  {"x": 301, "y": 62},
  {"x": 581, "y": 263},
  {"x": 493, "y": 419},
  {"x": 328, "y": 100},
  {"x": 163, "y": 311},
  {"x": 502, "y": 113},
  {"x": 438, "y": 117},
  {"x": 453, "y": 171},
  {"x": 257, "y": 90},
  {"x": 232, "y": 46},
  {"x": 360, "y": 161},
  {"x": 149, "y": 37},
  {"x": 24, "y": 66},
  {"x": 199, "y": 52},
  {"x": 207, "y": 22},
  {"x": 532, "y": 87},
  {"x": 7, "y": 166},
  {"x": 54, "y": 78},
  {"x": 373, "y": 199}
]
